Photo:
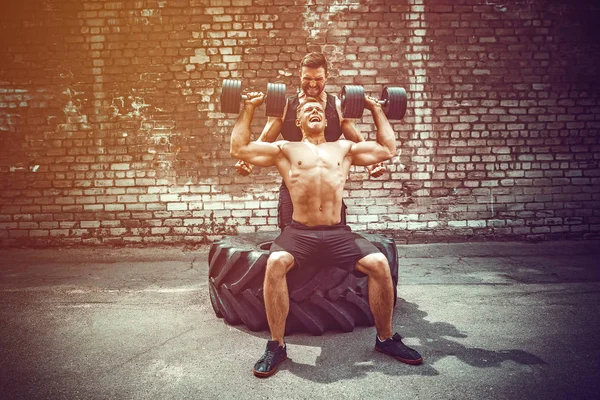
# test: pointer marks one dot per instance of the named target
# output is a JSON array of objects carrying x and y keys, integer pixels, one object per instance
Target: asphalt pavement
[{"x": 492, "y": 321}]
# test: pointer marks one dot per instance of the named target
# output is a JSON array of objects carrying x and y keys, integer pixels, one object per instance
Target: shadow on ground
[{"x": 351, "y": 355}]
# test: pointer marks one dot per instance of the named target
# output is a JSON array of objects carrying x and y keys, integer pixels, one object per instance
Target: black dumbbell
[
  {"x": 231, "y": 95},
  {"x": 393, "y": 101}
]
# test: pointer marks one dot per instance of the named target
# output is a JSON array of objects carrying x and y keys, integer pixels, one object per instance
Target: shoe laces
[
  {"x": 397, "y": 337},
  {"x": 269, "y": 357}
]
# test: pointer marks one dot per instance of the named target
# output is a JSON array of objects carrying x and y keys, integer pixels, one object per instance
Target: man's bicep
[
  {"x": 263, "y": 154},
  {"x": 367, "y": 153}
]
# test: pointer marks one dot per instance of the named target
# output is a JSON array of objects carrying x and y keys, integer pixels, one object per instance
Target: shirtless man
[
  {"x": 313, "y": 79},
  {"x": 315, "y": 172}
]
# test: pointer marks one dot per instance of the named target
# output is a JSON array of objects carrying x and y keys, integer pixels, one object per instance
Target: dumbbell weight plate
[
  {"x": 394, "y": 105},
  {"x": 353, "y": 101},
  {"x": 275, "y": 99},
  {"x": 231, "y": 96}
]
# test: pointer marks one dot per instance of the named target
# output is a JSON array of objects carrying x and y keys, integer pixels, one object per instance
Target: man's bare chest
[{"x": 305, "y": 156}]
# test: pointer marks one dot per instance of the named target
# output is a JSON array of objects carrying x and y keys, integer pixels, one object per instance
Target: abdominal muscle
[{"x": 316, "y": 179}]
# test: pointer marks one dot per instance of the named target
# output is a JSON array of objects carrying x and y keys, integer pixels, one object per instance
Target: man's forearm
[
  {"x": 385, "y": 134},
  {"x": 351, "y": 132},
  {"x": 271, "y": 130},
  {"x": 240, "y": 136}
]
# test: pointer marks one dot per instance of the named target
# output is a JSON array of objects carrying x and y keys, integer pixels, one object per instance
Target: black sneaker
[
  {"x": 267, "y": 364},
  {"x": 395, "y": 348}
]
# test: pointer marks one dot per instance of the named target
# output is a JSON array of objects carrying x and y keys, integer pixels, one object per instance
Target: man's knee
[
  {"x": 375, "y": 265},
  {"x": 278, "y": 264}
]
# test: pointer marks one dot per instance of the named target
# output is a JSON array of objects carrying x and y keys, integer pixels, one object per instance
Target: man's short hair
[
  {"x": 314, "y": 60},
  {"x": 303, "y": 102}
]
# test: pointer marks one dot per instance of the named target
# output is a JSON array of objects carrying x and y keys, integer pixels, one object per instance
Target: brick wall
[{"x": 111, "y": 131}]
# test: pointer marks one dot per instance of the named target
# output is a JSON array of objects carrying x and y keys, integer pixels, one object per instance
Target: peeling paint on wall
[
  {"x": 417, "y": 54},
  {"x": 12, "y": 101},
  {"x": 155, "y": 136},
  {"x": 130, "y": 106},
  {"x": 73, "y": 111},
  {"x": 315, "y": 24}
]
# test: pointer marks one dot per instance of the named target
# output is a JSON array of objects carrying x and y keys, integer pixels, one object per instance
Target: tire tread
[{"x": 330, "y": 299}]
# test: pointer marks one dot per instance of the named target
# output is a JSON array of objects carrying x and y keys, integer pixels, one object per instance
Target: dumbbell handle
[
  {"x": 382, "y": 102},
  {"x": 245, "y": 97}
]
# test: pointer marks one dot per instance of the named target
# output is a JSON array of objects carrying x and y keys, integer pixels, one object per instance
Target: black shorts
[
  {"x": 334, "y": 245},
  {"x": 285, "y": 209}
]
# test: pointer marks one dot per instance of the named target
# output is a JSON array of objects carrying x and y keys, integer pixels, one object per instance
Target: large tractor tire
[{"x": 322, "y": 298}]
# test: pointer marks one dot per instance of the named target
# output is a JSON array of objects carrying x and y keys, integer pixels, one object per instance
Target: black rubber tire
[{"x": 321, "y": 298}]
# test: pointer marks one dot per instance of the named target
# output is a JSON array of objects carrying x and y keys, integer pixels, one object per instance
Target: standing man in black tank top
[{"x": 313, "y": 76}]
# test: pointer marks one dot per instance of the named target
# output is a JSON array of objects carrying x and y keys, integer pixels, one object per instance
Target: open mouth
[{"x": 315, "y": 118}]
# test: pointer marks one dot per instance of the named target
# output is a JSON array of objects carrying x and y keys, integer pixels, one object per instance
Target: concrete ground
[{"x": 492, "y": 321}]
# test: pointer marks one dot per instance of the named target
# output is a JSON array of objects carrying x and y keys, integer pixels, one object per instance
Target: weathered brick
[{"x": 489, "y": 116}]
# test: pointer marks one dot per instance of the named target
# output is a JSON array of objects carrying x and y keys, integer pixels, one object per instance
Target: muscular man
[
  {"x": 315, "y": 172},
  {"x": 313, "y": 78}
]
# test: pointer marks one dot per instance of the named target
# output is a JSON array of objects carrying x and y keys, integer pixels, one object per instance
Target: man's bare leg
[
  {"x": 381, "y": 301},
  {"x": 277, "y": 305},
  {"x": 381, "y": 291},
  {"x": 277, "y": 299}
]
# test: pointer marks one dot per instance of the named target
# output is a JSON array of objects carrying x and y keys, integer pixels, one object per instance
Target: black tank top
[{"x": 291, "y": 132}]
